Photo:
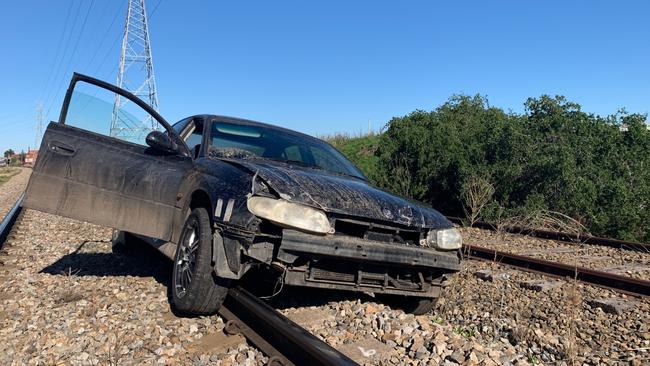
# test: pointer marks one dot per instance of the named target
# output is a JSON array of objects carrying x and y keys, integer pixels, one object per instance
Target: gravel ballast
[{"x": 67, "y": 298}]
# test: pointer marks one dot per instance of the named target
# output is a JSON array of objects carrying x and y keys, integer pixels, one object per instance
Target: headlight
[
  {"x": 445, "y": 239},
  {"x": 291, "y": 215}
]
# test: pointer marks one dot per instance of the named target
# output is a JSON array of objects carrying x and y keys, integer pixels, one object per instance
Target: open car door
[{"x": 94, "y": 164}]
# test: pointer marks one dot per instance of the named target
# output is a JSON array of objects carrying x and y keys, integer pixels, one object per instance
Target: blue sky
[{"x": 324, "y": 67}]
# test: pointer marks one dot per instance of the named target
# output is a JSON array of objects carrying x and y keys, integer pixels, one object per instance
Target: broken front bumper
[
  {"x": 355, "y": 264},
  {"x": 295, "y": 243}
]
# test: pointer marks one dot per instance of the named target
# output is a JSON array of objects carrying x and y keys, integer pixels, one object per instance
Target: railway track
[
  {"x": 628, "y": 285},
  {"x": 286, "y": 343},
  {"x": 559, "y": 236},
  {"x": 523, "y": 258},
  {"x": 8, "y": 221},
  {"x": 282, "y": 340}
]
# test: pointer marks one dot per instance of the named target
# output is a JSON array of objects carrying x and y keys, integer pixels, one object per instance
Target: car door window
[
  {"x": 95, "y": 109},
  {"x": 195, "y": 136},
  {"x": 293, "y": 153}
]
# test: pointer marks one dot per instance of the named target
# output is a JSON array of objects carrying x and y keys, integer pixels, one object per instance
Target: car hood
[{"x": 342, "y": 195}]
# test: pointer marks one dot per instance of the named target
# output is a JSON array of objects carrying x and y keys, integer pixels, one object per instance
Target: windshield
[{"x": 230, "y": 140}]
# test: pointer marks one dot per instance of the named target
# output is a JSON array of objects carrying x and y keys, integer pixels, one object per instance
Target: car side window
[
  {"x": 292, "y": 153},
  {"x": 193, "y": 136},
  {"x": 95, "y": 109},
  {"x": 179, "y": 126}
]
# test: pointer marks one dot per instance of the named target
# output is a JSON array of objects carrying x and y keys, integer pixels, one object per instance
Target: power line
[
  {"x": 74, "y": 50},
  {"x": 117, "y": 38},
  {"x": 81, "y": 32},
  {"x": 108, "y": 31},
  {"x": 154, "y": 9},
  {"x": 60, "y": 63},
  {"x": 58, "y": 48}
]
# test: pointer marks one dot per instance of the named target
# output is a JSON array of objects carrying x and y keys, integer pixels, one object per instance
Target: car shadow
[
  {"x": 296, "y": 297},
  {"x": 139, "y": 261},
  {"x": 264, "y": 284},
  {"x": 144, "y": 261}
]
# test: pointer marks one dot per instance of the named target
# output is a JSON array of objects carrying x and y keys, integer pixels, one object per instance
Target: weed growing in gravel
[
  {"x": 114, "y": 355},
  {"x": 69, "y": 294},
  {"x": 573, "y": 298},
  {"x": 467, "y": 332}
]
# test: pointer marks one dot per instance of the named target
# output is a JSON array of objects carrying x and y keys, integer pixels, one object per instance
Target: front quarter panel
[{"x": 228, "y": 188}]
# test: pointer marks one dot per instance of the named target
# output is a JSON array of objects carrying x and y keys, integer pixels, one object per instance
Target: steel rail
[
  {"x": 560, "y": 236},
  {"x": 285, "y": 342},
  {"x": 612, "y": 281},
  {"x": 9, "y": 219}
]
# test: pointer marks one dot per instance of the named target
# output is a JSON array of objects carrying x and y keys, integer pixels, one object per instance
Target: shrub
[{"x": 553, "y": 158}]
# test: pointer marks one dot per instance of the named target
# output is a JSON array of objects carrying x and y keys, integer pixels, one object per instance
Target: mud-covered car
[{"x": 221, "y": 196}]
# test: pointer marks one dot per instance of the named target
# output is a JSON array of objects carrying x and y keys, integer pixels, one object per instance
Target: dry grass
[
  {"x": 476, "y": 193},
  {"x": 6, "y": 173},
  {"x": 340, "y": 137},
  {"x": 114, "y": 355},
  {"x": 542, "y": 220},
  {"x": 69, "y": 293}
]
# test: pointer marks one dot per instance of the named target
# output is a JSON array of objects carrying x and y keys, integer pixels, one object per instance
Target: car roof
[{"x": 248, "y": 122}]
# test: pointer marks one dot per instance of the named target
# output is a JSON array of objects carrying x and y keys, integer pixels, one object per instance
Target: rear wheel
[
  {"x": 410, "y": 304},
  {"x": 196, "y": 289}
]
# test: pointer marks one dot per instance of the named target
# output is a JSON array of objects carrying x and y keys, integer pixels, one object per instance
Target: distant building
[{"x": 30, "y": 157}]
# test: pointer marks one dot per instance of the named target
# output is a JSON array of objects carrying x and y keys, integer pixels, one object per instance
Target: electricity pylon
[{"x": 135, "y": 75}]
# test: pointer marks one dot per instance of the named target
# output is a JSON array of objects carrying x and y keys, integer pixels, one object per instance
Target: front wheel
[{"x": 196, "y": 290}]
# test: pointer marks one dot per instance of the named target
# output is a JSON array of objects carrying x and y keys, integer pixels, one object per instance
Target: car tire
[
  {"x": 196, "y": 290},
  {"x": 410, "y": 304}
]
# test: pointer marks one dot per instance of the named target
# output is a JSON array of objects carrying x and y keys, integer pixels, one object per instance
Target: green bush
[{"x": 553, "y": 157}]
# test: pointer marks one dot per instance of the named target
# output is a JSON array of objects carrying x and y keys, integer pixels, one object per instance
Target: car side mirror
[{"x": 161, "y": 141}]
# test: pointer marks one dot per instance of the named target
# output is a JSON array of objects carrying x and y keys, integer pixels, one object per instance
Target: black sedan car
[{"x": 222, "y": 195}]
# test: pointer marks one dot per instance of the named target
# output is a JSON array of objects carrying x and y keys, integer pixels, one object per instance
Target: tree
[{"x": 9, "y": 153}]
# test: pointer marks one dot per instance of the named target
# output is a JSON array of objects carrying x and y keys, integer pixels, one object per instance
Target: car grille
[{"x": 376, "y": 232}]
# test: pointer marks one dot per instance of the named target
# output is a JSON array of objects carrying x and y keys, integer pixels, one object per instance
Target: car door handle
[{"x": 61, "y": 148}]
